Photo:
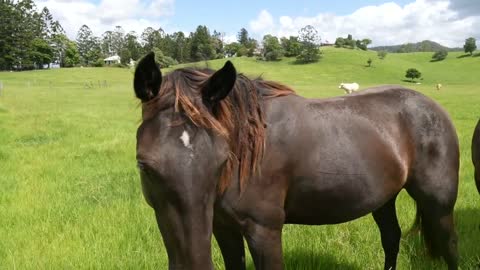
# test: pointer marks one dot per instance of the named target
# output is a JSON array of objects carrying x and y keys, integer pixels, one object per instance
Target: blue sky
[
  {"x": 449, "y": 22},
  {"x": 229, "y": 17}
]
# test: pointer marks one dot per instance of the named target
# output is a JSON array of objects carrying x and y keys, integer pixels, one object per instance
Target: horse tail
[{"x": 423, "y": 227}]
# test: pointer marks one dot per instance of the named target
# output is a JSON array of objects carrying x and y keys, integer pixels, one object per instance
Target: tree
[
  {"x": 291, "y": 46},
  {"x": 272, "y": 50},
  {"x": 470, "y": 45},
  {"x": 42, "y": 53},
  {"x": 58, "y": 42},
  {"x": 27, "y": 35},
  {"x": 242, "y": 51},
  {"x": 363, "y": 44},
  {"x": 117, "y": 39},
  {"x": 242, "y": 37},
  {"x": 217, "y": 42},
  {"x": 366, "y": 41},
  {"x": 162, "y": 60},
  {"x": 181, "y": 42},
  {"x": 369, "y": 62},
  {"x": 252, "y": 45},
  {"x": 95, "y": 51},
  {"x": 359, "y": 45},
  {"x": 382, "y": 54},
  {"x": 247, "y": 45},
  {"x": 440, "y": 55},
  {"x": 131, "y": 48},
  {"x": 232, "y": 48},
  {"x": 9, "y": 33},
  {"x": 47, "y": 24},
  {"x": 413, "y": 74},
  {"x": 340, "y": 42},
  {"x": 89, "y": 46},
  {"x": 72, "y": 56},
  {"x": 350, "y": 42},
  {"x": 308, "y": 37},
  {"x": 107, "y": 43},
  {"x": 201, "y": 46},
  {"x": 151, "y": 38}
]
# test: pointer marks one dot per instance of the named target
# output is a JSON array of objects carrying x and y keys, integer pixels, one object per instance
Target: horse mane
[{"x": 239, "y": 118}]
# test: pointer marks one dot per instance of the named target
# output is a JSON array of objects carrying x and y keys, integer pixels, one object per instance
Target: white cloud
[
  {"x": 264, "y": 22},
  {"x": 132, "y": 15},
  {"x": 230, "y": 38},
  {"x": 385, "y": 24},
  {"x": 162, "y": 7}
]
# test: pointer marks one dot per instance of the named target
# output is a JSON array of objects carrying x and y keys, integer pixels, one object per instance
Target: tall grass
[{"x": 70, "y": 195}]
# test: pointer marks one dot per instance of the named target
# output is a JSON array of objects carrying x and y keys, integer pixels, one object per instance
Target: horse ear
[
  {"x": 219, "y": 84},
  {"x": 148, "y": 78}
]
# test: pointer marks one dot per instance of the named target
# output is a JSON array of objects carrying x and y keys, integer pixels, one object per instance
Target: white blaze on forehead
[{"x": 186, "y": 139}]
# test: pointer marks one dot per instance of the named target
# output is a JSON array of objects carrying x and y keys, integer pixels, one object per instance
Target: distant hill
[{"x": 423, "y": 46}]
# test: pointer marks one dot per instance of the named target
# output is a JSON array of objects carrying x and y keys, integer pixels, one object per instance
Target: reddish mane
[{"x": 239, "y": 118}]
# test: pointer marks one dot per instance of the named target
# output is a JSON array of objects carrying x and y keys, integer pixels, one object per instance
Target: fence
[{"x": 35, "y": 83}]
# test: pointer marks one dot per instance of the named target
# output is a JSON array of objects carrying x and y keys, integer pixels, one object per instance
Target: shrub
[
  {"x": 98, "y": 63},
  {"x": 242, "y": 51},
  {"x": 382, "y": 54},
  {"x": 440, "y": 55}
]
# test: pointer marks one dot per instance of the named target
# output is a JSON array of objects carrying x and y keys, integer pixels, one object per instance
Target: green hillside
[
  {"x": 422, "y": 46},
  {"x": 70, "y": 192}
]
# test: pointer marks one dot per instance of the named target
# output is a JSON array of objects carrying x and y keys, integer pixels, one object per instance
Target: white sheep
[{"x": 349, "y": 87}]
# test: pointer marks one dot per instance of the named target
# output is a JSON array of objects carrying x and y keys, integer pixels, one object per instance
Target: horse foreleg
[
  {"x": 265, "y": 245},
  {"x": 231, "y": 245},
  {"x": 386, "y": 219}
]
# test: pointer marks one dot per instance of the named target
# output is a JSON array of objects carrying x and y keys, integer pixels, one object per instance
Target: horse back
[{"x": 356, "y": 151}]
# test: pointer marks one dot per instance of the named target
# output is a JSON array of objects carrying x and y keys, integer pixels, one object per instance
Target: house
[{"x": 112, "y": 60}]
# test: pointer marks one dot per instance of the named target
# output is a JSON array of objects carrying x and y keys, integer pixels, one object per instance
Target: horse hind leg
[
  {"x": 440, "y": 237},
  {"x": 435, "y": 203},
  {"x": 387, "y": 222}
]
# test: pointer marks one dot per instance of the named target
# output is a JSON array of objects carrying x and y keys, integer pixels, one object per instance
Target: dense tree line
[
  {"x": 305, "y": 46},
  {"x": 33, "y": 39},
  {"x": 351, "y": 43}
]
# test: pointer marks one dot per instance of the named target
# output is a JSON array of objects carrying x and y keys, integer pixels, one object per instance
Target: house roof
[{"x": 112, "y": 58}]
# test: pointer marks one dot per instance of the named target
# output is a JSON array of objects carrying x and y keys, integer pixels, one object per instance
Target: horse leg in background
[
  {"x": 477, "y": 178},
  {"x": 386, "y": 219},
  {"x": 435, "y": 213},
  {"x": 231, "y": 245},
  {"x": 265, "y": 245}
]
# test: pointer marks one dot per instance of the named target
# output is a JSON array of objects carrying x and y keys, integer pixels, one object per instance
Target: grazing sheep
[{"x": 349, "y": 87}]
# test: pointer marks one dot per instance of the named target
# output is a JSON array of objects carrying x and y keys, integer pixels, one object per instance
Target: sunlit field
[{"x": 70, "y": 195}]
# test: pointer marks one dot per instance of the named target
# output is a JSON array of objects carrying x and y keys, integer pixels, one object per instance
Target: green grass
[{"x": 70, "y": 194}]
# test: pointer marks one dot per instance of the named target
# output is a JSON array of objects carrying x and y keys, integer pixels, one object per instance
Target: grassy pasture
[{"x": 70, "y": 195}]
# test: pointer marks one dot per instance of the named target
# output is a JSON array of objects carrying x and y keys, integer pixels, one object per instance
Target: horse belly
[{"x": 334, "y": 199}]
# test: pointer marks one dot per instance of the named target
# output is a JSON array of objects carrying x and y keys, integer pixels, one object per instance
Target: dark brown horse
[
  {"x": 220, "y": 153},
  {"x": 476, "y": 154}
]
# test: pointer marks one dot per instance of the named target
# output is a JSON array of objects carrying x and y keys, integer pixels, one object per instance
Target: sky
[{"x": 448, "y": 22}]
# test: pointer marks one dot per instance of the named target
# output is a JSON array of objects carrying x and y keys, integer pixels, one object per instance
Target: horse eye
[{"x": 141, "y": 165}]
